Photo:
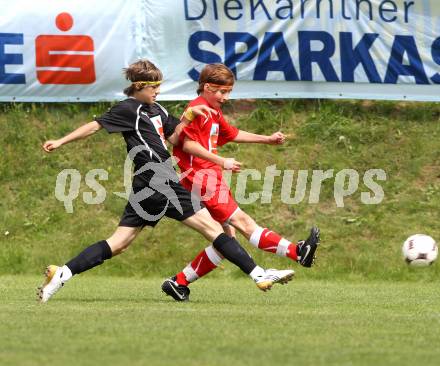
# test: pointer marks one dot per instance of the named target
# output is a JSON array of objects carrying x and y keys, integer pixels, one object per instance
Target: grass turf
[
  {"x": 128, "y": 321},
  {"x": 357, "y": 240}
]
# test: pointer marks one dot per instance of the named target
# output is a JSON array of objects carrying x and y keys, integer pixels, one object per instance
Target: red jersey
[{"x": 209, "y": 133}]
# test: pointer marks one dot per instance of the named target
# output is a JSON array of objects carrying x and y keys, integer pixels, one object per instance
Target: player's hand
[
  {"x": 204, "y": 111},
  {"x": 231, "y": 164},
  {"x": 51, "y": 145},
  {"x": 278, "y": 138}
]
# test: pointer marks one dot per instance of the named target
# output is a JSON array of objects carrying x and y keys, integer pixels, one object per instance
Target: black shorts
[{"x": 173, "y": 201}]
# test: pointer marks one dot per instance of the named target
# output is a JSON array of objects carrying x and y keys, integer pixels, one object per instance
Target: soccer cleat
[
  {"x": 272, "y": 276},
  {"x": 306, "y": 248},
  {"x": 52, "y": 283},
  {"x": 176, "y": 291}
]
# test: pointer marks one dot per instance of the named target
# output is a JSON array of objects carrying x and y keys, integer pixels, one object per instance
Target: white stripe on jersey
[
  {"x": 163, "y": 109},
  {"x": 139, "y": 133}
]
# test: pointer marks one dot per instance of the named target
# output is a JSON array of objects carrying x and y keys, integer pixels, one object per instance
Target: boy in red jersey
[{"x": 198, "y": 158}]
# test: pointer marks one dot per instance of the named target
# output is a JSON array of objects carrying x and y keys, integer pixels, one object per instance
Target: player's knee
[
  {"x": 120, "y": 248},
  {"x": 229, "y": 230},
  {"x": 119, "y": 245}
]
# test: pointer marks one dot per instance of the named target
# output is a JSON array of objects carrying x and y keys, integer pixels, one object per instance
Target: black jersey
[{"x": 144, "y": 127}]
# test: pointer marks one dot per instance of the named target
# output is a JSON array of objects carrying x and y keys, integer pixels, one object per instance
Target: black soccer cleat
[
  {"x": 306, "y": 248},
  {"x": 176, "y": 291}
]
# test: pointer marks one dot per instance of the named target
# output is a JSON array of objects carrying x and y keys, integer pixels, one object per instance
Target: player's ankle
[
  {"x": 66, "y": 274},
  {"x": 292, "y": 252},
  {"x": 257, "y": 273},
  {"x": 181, "y": 279}
]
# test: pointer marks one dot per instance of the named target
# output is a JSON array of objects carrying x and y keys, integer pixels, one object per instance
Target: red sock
[
  {"x": 291, "y": 252},
  {"x": 270, "y": 241},
  {"x": 206, "y": 261},
  {"x": 181, "y": 279},
  {"x": 202, "y": 265}
]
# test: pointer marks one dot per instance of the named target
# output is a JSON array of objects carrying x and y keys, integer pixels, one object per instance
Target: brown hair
[
  {"x": 218, "y": 74},
  {"x": 141, "y": 70}
]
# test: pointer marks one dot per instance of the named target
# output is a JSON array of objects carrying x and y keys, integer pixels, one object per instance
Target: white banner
[{"x": 75, "y": 50}]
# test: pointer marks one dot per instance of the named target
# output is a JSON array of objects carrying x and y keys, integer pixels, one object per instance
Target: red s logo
[{"x": 65, "y": 59}]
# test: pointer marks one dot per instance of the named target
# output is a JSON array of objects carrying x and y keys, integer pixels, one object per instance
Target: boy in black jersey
[{"x": 156, "y": 191}]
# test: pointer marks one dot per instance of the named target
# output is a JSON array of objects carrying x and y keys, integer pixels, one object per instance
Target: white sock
[
  {"x": 67, "y": 273},
  {"x": 257, "y": 272},
  {"x": 255, "y": 236}
]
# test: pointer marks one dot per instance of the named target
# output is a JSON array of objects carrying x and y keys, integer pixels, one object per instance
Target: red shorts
[{"x": 213, "y": 191}]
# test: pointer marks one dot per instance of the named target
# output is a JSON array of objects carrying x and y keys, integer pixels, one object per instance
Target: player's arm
[
  {"x": 194, "y": 148},
  {"x": 190, "y": 114},
  {"x": 173, "y": 139},
  {"x": 80, "y": 133},
  {"x": 277, "y": 138}
]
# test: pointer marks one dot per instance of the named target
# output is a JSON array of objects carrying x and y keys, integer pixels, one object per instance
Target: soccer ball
[{"x": 420, "y": 250}]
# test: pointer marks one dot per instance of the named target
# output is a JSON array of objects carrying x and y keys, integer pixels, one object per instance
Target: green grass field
[
  {"x": 128, "y": 321},
  {"x": 359, "y": 305}
]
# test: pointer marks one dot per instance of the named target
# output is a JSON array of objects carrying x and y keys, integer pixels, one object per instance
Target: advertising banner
[{"x": 76, "y": 50}]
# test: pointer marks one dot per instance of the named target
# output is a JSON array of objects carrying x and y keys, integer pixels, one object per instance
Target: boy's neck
[
  {"x": 140, "y": 101},
  {"x": 206, "y": 100}
]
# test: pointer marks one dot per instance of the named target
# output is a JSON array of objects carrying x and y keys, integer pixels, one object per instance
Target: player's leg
[
  {"x": 229, "y": 248},
  {"x": 221, "y": 206},
  {"x": 220, "y": 192},
  {"x": 227, "y": 210},
  {"x": 122, "y": 238},
  {"x": 202, "y": 222},
  {"x": 205, "y": 262},
  {"x": 209, "y": 258},
  {"x": 92, "y": 256},
  {"x": 224, "y": 209},
  {"x": 234, "y": 252},
  {"x": 229, "y": 230},
  {"x": 193, "y": 215},
  {"x": 262, "y": 238}
]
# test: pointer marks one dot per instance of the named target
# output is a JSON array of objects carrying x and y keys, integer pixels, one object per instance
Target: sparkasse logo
[{"x": 59, "y": 59}]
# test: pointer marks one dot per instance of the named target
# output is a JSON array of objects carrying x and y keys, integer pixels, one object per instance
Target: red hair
[{"x": 218, "y": 74}]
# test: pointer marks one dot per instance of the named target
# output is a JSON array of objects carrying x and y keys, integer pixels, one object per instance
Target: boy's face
[
  {"x": 217, "y": 95},
  {"x": 148, "y": 94}
]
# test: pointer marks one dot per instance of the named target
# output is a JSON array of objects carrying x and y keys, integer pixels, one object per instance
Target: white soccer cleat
[
  {"x": 52, "y": 283},
  {"x": 272, "y": 276}
]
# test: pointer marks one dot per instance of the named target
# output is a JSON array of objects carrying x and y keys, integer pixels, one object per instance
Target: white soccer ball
[{"x": 420, "y": 250}]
